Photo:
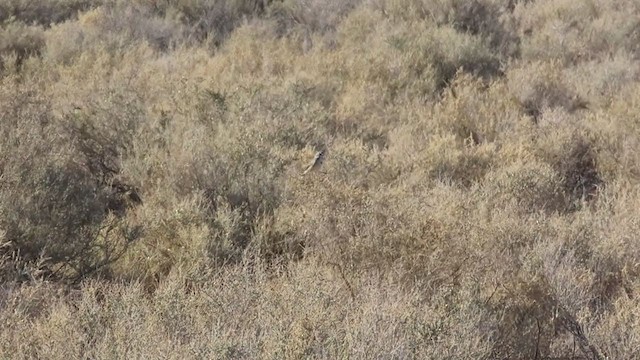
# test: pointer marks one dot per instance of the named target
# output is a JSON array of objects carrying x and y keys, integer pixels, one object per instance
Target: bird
[{"x": 318, "y": 159}]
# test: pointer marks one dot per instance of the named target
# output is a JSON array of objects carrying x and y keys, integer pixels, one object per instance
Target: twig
[
  {"x": 344, "y": 278},
  {"x": 538, "y": 339}
]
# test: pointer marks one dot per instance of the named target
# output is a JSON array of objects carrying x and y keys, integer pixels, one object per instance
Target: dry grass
[{"x": 478, "y": 199}]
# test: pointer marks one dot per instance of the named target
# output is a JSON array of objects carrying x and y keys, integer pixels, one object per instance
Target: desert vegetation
[{"x": 479, "y": 197}]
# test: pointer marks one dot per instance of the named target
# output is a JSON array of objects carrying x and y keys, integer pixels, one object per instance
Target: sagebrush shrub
[
  {"x": 477, "y": 200},
  {"x": 21, "y": 41},
  {"x": 44, "y": 13}
]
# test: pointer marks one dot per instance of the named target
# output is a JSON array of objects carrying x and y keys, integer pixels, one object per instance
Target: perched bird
[
  {"x": 121, "y": 198},
  {"x": 316, "y": 163}
]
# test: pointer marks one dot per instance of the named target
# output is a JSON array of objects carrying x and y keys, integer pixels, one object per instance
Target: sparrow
[{"x": 316, "y": 163}]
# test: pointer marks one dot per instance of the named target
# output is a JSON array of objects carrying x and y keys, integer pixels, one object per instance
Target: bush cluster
[{"x": 478, "y": 197}]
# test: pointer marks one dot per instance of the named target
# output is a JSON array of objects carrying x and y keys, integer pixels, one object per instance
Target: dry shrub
[
  {"x": 613, "y": 132},
  {"x": 531, "y": 186},
  {"x": 476, "y": 112},
  {"x": 181, "y": 235},
  {"x": 44, "y": 13},
  {"x": 573, "y": 154},
  {"x": 619, "y": 328},
  {"x": 488, "y": 19},
  {"x": 412, "y": 53},
  {"x": 215, "y": 20},
  {"x": 580, "y": 171},
  {"x": 539, "y": 86},
  {"x": 577, "y": 31},
  {"x": 138, "y": 23},
  {"x": 615, "y": 257},
  {"x": 567, "y": 281},
  {"x": 587, "y": 279},
  {"x": 21, "y": 41},
  {"x": 112, "y": 27},
  {"x": 343, "y": 226},
  {"x": 291, "y": 312},
  {"x": 599, "y": 82},
  {"x": 313, "y": 15},
  {"x": 443, "y": 223},
  {"x": 464, "y": 165},
  {"x": 55, "y": 206},
  {"x": 458, "y": 138}
]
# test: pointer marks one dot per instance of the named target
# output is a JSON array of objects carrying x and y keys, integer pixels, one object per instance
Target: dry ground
[{"x": 479, "y": 198}]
